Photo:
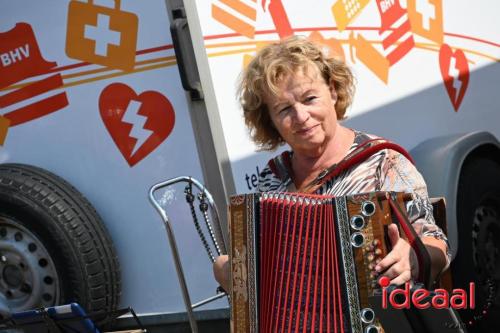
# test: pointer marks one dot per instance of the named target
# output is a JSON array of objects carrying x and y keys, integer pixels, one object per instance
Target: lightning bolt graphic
[
  {"x": 454, "y": 73},
  {"x": 137, "y": 121}
]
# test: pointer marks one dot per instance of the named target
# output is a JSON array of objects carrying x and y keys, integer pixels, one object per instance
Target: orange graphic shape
[
  {"x": 455, "y": 72},
  {"x": 345, "y": 12},
  {"x": 331, "y": 46},
  {"x": 425, "y": 25},
  {"x": 4, "y": 128},
  {"x": 155, "y": 116},
  {"x": 233, "y": 22},
  {"x": 101, "y": 35},
  {"x": 369, "y": 56},
  {"x": 247, "y": 58},
  {"x": 241, "y": 8},
  {"x": 20, "y": 57}
]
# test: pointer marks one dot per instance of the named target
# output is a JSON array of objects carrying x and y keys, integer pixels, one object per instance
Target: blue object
[{"x": 63, "y": 316}]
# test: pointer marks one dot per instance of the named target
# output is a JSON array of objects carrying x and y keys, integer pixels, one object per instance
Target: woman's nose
[{"x": 301, "y": 113}]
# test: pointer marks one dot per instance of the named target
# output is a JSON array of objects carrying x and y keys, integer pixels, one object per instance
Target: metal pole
[
  {"x": 173, "y": 243},
  {"x": 177, "y": 261}
]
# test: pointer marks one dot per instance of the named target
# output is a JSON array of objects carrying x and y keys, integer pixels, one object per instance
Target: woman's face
[{"x": 303, "y": 111}]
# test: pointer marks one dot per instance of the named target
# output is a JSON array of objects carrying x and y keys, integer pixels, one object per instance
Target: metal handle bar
[{"x": 173, "y": 243}]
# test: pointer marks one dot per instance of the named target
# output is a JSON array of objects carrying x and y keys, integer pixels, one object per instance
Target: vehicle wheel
[
  {"x": 478, "y": 257},
  {"x": 54, "y": 248}
]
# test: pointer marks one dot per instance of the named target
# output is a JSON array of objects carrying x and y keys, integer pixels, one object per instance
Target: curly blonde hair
[{"x": 276, "y": 62}]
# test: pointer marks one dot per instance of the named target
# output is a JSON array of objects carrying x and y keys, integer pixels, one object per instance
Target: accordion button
[
  {"x": 370, "y": 257},
  {"x": 367, "y": 315},
  {"x": 367, "y": 208},
  {"x": 378, "y": 252},
  {"x": 357, "y": 222},
  {"x": 357, "y": 239},
  {"x": 376, "y": 242},
  {"x": 372, "y": 329}
]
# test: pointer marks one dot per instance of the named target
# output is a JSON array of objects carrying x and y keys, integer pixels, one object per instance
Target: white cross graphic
[
  {"x": 428, "y": 11},
  {"x": 102, "y": 35}
]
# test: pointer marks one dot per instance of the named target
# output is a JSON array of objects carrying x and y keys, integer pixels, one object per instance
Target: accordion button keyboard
[
  {"x": 368, "y": 208},
  {"x": 357, "y": 239},
  {"x": 367, "y": 315}
]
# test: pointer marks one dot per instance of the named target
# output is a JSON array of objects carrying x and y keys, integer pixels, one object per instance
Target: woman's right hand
[{"x": 221, "y": 272}]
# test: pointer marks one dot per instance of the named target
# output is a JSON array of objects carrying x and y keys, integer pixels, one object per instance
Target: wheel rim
[
  {"x": 28, "y": 276},
  {"x": 486, "y": 250}
]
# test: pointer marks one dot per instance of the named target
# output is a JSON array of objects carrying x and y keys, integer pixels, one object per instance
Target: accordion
[{"x": 305, "y": 263}]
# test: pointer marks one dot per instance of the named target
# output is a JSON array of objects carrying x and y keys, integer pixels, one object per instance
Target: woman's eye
[
  {"x": 284, "y": 109},
  {"x": 310, "y": 98}
]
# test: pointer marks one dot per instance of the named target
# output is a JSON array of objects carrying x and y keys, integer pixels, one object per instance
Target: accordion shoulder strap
[
  {"x": 364, "y": 151},
  {"x": 423, "y": 257},
  {"x": 281, "y": 164}
]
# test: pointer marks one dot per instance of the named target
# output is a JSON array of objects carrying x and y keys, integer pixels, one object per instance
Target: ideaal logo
[{"x": 424, "y": 299}]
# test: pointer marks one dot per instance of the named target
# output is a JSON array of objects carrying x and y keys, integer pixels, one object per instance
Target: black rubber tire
[
  {"x": 70, "y": 229},
  {"x": 479, "y": 189}
]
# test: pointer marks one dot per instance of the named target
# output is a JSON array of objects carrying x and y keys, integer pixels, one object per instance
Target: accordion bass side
[{"x": 305, "y": 263}]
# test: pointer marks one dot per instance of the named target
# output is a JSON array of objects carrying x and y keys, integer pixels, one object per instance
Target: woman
[{"x": 293, "y": 93}]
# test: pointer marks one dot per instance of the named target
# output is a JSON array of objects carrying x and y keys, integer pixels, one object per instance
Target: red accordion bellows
[
  {"x": 305, "y": 263},
  {"x": 299, "y": 275}
]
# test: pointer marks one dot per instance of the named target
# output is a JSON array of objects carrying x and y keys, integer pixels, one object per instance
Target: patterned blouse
[{"x": 386, "y": 170}]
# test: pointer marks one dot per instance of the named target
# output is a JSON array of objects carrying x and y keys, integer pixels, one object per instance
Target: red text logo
[{"x": 423, "y": 298}]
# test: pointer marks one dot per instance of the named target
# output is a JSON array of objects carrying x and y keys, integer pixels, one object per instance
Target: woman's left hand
[{"x": 401, "y": 264}]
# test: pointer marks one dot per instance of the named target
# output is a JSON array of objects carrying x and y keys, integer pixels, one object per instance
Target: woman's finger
[
  {"x": 393, "y": 231},
  {"x": 402, "y": 278},
  {"x": 389, "y": 260}
]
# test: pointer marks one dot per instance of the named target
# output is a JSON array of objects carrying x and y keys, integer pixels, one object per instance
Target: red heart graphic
[
  {"x": 138, "y": 124},
  {"x": 454, "y": 76}
]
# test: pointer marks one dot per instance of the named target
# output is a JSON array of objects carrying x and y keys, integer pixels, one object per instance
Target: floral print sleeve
[{"x": 400, "y": 175}]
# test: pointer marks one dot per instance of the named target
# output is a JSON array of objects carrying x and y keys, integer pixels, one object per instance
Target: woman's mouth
[{"x": 307, "y": 130}]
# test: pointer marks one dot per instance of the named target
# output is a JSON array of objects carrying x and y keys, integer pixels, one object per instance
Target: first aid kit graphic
[{"x": 101, "y": 35}]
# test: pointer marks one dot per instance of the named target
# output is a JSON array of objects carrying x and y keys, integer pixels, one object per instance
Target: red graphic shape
[
  {"x": 155, "y": 109},
  {"x": 456, "y": 76},
  {"x": 20, "y": 56},
  {"x": 394, "y": 17},
  {"x": 37, "y": 110},
  {"x": 280, "y": 18}
]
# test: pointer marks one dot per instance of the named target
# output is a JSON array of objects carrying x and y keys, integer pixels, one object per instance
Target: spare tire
[
  {"x": 54, "y": 248},
  {"x": 478, "y": 256}
]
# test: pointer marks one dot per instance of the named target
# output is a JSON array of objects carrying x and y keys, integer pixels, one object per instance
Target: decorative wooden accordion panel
[{"x": 304, "y": 263}]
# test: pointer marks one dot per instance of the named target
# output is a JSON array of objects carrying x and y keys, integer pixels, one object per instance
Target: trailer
[{"x": 102, "y": 99}]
